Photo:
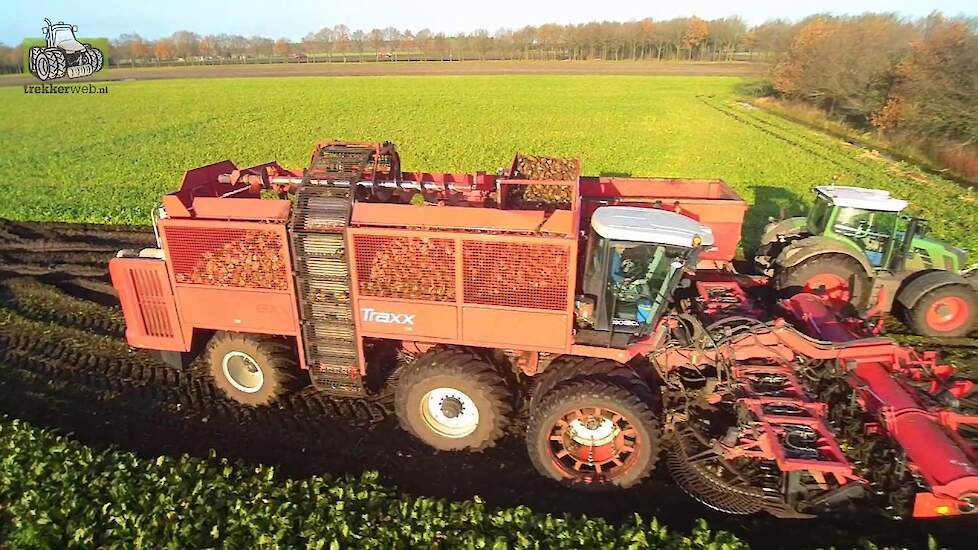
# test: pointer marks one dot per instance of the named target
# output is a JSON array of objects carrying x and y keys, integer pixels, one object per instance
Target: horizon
[{"x": 112, "y": 18}]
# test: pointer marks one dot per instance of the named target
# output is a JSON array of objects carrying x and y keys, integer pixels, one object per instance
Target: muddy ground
[{"x": 64, "y": 365}]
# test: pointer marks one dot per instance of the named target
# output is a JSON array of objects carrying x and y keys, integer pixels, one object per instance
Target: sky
[{"x": 294, "y": 19}]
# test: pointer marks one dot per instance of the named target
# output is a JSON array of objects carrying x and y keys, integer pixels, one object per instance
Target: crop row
[{"x": 60, "y": 493}]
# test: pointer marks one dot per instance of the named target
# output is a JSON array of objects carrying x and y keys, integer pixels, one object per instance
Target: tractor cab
[
  {"x": 871, "y": 220},
  {"x": 62, "y": 35},
  {"x": 634, "y": 259}
]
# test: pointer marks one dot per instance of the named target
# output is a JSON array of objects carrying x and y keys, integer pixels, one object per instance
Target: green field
[{"x": 107, "y": 158}]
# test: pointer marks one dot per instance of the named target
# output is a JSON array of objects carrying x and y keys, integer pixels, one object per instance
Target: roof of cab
[
  {"x": 649, "y": 225},
  {"x": 862, "y": 198}
]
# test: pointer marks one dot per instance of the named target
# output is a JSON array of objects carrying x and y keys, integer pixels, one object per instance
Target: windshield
[
  {"x": 641, "y": 278},
  {"x": 819, "y": 216},
  {"x": 62, "y": 35}
]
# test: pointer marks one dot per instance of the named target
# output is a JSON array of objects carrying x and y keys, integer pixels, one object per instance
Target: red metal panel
[
  {"x": 238, "y": 309},
  {"x": 515, "y": 274},
  {"x": 407, "y": 319},
  {"x": 530, "y": 330},
  {"x": 147, "y": 303}
]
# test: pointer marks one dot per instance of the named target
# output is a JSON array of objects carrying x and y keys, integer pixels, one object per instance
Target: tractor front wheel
[
  {"x": 251, "y": 369},
  {"x": 836, "y": 277},
  {"x": 57, "y": 63},
  {"x": 948, "y": 311},
  {"x": 593, "y": 435},
  {"x": 453, "y": 400}
]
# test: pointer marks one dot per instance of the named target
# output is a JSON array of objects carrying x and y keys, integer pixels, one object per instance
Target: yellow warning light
[
  {"x": 943, "y": 510},
  {"x": 697, "y": 240}
]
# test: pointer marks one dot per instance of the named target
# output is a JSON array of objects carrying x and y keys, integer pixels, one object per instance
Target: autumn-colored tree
[
  {"x": 936, "y": 90},
  {"x": 696, "y": 33},
  {"x": 207, "y": 46},
  {"x": 283, "y": 46},
  {"x": 163, "y": 49}
]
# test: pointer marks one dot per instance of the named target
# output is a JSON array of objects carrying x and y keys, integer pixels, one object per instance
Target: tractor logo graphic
[{"x": 63, "y": 55}]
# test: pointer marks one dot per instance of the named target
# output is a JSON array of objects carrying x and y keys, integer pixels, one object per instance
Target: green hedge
[{"x": 56, "y": 492}]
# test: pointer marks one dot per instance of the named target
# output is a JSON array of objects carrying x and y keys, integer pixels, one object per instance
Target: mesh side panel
[
  {"x": 515, "y": 275},
  {"x": 242, "y": 258},
  {"x": 406, "y": 267},
  {"x": 152, "y": 302}
]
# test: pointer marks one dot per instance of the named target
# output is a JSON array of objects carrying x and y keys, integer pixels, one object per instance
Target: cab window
[
  {"x": 638, "y": 281},
  {"x": 872, "y": 231}
]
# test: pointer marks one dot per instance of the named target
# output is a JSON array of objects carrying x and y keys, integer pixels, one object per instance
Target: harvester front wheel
[
  {"x": 837, "y": 277},
  {"x": 593, "y": 435},
  {"x": 250, "y": 369},
  {"x": 948, "y": 312},
  {"x": 453, "y": 400}
]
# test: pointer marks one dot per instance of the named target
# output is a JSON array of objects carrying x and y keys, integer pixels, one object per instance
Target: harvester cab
[
  {"x": 857, "y": 243},
  {"x": 635, "y": 257}
]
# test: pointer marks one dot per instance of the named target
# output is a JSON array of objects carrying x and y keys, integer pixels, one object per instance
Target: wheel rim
[
  {"x": 947, "y": 313},
  {"x": 449, "y": 412},
  {"x": 593, "y": 444},
  {"x": 832, "y": 286},
  {"x": 243, "y": 372}
]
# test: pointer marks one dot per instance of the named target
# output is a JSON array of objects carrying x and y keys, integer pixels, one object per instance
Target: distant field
[
  {"x": 386, "y": 68},
  {"x": 108, "y": 158}
]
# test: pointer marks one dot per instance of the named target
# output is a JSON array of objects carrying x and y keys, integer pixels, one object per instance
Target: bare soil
[
  {"x": 64, "y": 365},
  {"x": 417, "y": 68}
]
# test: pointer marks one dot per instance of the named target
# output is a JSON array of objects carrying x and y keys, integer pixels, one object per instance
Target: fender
[
  {"x": 803, "y": 249},
  {"x": 788, "y": 226},
  {"x": 922, "y": 284}
]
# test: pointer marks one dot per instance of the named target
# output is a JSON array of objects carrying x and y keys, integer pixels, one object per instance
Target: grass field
[{"x": 107, "y": 158}]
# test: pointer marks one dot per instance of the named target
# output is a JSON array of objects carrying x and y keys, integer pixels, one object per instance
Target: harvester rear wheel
[
  {"x": 453, "y": 400},
  {"x": 250, "y": 369},
  {"x": 568, "y": 368},
  {"x": 837, "y": 277},
  {"x": 593, "y": 435},
  {"x": 948, "y": 311}
]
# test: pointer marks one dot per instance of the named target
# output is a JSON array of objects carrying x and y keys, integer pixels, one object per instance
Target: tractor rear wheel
[
  {"x": 94, "y": 58},
  {"x": 453, "y": 400},
  {"x": 839, "y": 278},
  {"x": 57, "y": 63},
  {"x": 948, "y": 311},
  {"x": 593, "y": 435},
  {"x": 251, "y": 369}
]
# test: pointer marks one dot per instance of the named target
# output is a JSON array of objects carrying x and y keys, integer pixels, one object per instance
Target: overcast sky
[{"x": 293, "y": 19}]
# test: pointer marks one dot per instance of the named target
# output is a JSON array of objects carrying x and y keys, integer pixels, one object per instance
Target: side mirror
[{"x": 74, "y": 28}]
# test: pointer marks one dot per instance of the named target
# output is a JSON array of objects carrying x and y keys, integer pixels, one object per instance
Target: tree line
[{"x": 912, "y": 81}]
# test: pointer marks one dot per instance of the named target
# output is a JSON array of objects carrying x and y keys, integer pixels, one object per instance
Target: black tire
[
  {"x": 633, "y": 440},
  {"x": 792, "y": 280},
  {"x": 32, "y": 56},
  {"x": 569, "y": 368},
  {"x": 232, "y": 357},
  {"x": 925, "y": 317},
  {"x": 57, "y": 62},
  {"x": 453, "y": 400},
  {"x": 42, "y": 67},
  {"x": 95, "y": 57}
]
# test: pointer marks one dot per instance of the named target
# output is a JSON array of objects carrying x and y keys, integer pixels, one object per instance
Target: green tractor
[{"x": 855, "y": 243}]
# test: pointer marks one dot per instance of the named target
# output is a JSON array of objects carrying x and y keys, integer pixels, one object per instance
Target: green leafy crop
[{"x": 57, "y": 493}]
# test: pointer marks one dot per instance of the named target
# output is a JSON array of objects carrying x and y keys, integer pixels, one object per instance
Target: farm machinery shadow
[{"x": 64, "y": 365}]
